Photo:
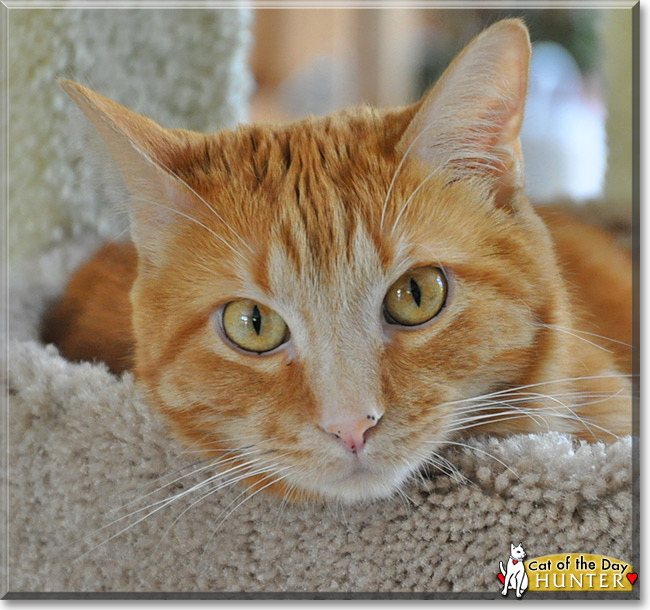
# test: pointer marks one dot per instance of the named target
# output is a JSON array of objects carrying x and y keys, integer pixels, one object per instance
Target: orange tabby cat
[{"x": 330, "y": 301}]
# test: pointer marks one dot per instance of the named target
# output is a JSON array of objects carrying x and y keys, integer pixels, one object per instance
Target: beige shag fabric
[{"x": 86, "y": 452}]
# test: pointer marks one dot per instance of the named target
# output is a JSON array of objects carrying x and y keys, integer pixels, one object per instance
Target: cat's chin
[{"x": 359, "y": 483}]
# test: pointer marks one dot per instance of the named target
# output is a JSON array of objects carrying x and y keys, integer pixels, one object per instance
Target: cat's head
[
  {"x": 317, "y": 299},
  {"x": 517, "y": 552}
]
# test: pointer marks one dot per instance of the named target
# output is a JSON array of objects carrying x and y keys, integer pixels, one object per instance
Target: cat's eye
[
  {"x": 416, "y": 297},
  {"x": 253, "y": 327}
]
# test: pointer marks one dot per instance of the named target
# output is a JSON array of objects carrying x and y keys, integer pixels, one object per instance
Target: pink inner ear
[
  {"x": 160, "y": 200},
  {"x": 470, "y": 121},
  {"x": 142, "y": 149}
]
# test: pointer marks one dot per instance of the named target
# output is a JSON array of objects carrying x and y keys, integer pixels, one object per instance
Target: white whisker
[
  {"x": 158, "y": 505},
  {"x": 411, "y": 196},
  {"x": 273, "y": 481},
  {"x": 220, "y": 486},
  {"x": 397, "y": 171},
  {"x": 575, "y": 336},
  {"x": 441, "y": 463},
  {"x": 584, "y": 332},
  {"x": 516, "y": 389},
  {"x": 214, "y": 463},
  {"x": 484, "y": 453},
  {"x": 195, "y": 221},
  {"x": 205, "y": 203}
]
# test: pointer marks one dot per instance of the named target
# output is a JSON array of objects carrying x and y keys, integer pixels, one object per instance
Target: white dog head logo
[{"x": 514, "y": 575}]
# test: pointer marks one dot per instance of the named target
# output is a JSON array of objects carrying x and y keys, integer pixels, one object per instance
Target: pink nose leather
[{"x": 352, "y": 434}]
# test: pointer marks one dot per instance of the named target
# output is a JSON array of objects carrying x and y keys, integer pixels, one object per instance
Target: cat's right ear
[{"x": 145, "y": 153}]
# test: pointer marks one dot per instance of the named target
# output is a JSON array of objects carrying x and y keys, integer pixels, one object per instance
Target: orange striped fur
[{"x": 316, "y": 220}]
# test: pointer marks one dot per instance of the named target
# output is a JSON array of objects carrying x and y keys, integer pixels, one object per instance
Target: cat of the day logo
[
  {"x": 568, "y": 572},
  {"x": 514, "y": 575}
]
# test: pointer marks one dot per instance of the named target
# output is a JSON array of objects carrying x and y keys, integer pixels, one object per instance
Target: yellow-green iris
[
  {"x": 416, "y": 297},
  {"x": 253, "y": 327}
]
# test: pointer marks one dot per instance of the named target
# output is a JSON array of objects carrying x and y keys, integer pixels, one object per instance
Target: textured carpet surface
[{"x": 86, "y": 453}]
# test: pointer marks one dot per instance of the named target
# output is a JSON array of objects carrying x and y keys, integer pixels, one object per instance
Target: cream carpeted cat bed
[{"x": 85, "y": 451}]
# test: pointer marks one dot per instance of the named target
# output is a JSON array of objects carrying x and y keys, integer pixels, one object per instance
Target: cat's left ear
[
  {"x": 146, "y": 154},
  {"x": 469, "y": 123}
]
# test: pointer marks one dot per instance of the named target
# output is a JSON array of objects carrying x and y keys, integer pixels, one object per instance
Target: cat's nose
[{"x": 352, "y": 432}]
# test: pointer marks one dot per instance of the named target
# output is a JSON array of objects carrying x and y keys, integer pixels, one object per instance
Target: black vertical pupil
[
  {"x": 257, "y": 319},
  {"x": 415, "y": 291}
]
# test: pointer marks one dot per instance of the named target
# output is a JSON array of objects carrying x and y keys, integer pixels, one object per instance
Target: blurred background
[{"x": 577, "y": 133}]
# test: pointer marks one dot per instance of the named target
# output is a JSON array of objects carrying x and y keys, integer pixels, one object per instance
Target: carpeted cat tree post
[{"x": 183, "y": 68}]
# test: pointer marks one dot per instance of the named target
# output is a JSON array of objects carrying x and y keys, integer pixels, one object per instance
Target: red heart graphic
[
  {"x": 632, "y": 576},
  {"x": 502, "y": 578}
]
